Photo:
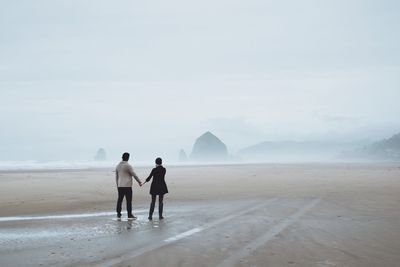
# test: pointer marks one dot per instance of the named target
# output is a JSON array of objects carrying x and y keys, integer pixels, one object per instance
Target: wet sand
[{"x": 228, "y": 215}]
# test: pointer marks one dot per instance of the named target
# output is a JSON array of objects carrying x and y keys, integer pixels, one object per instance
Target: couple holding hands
[{"x": 123, "y": 175}]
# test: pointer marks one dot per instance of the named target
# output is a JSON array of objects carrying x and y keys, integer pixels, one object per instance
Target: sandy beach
[{"x": 222, "y": 215}]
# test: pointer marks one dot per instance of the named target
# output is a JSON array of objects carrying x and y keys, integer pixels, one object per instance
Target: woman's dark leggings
[{"x": 153, "y": 204}]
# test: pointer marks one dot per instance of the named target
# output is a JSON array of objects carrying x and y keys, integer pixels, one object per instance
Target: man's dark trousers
[{"x": 127, "y": 193}]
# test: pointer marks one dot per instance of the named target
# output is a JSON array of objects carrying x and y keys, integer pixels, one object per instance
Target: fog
[{"x": 150, "y": 77}]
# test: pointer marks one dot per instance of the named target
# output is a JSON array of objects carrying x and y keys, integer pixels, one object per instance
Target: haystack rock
[
  {"x": 182, "y": 156},
  {"x": 208, "y": 147},
  {"x": 101, "y": 155}
]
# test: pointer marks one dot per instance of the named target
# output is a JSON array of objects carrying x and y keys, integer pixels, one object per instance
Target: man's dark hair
[
  {"x": 125, "y": 156},
  {"x": 158, "y": 161}
]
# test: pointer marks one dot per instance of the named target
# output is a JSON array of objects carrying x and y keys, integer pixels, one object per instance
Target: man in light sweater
[{"x": 123, "y": 176}]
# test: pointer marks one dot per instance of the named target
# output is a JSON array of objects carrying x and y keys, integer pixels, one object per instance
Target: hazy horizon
[{"x": 149, "y": 78}]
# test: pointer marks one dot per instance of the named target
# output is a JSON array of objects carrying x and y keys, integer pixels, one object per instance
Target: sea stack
[
  {"x": 209, "y": 148},
  {"x": 182, "y": 156},
  {"x": 101, "y": 155}
]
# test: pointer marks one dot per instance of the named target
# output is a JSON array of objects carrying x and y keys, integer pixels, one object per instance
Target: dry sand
[{"x": 355, "y": 220}]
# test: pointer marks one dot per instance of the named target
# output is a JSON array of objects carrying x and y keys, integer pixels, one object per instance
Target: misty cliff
[
  {"x": 295, "y": 150},
  {"x": 386, "y": 149}
]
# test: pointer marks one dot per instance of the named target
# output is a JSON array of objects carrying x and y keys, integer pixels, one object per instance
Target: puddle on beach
[
  {"x": 61, "y": 216},
  {"x": 19, "y": 232},
  {"x": 84, "y": 228}
]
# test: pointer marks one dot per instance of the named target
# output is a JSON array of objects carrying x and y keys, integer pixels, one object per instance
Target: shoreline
[{"x": 201, "y": 165}]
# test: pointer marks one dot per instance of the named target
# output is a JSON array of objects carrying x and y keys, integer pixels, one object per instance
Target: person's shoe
[
  {"x": 150, "y": 218},
  {"x": 131, "y": 218},
  {"x": 161, "y": 217},
  {"x": 118, "y": 217}
]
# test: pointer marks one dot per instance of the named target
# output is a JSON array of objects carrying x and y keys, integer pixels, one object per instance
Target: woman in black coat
[{"x": 158, "y": 187}]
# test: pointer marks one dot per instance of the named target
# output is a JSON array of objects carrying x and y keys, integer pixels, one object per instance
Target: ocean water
[
  {"x": 91, "y": 164},
  {"x": 54, "y": 165}
]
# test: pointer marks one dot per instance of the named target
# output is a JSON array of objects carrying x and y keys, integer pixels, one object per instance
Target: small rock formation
[
  {"x": 182, "y": 156},
  {"x": 208, "y": 147},
  {"x": 101, "y": 155}
]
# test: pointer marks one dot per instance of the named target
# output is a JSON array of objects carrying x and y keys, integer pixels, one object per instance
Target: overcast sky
[{"x": 150, "y": 76}]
